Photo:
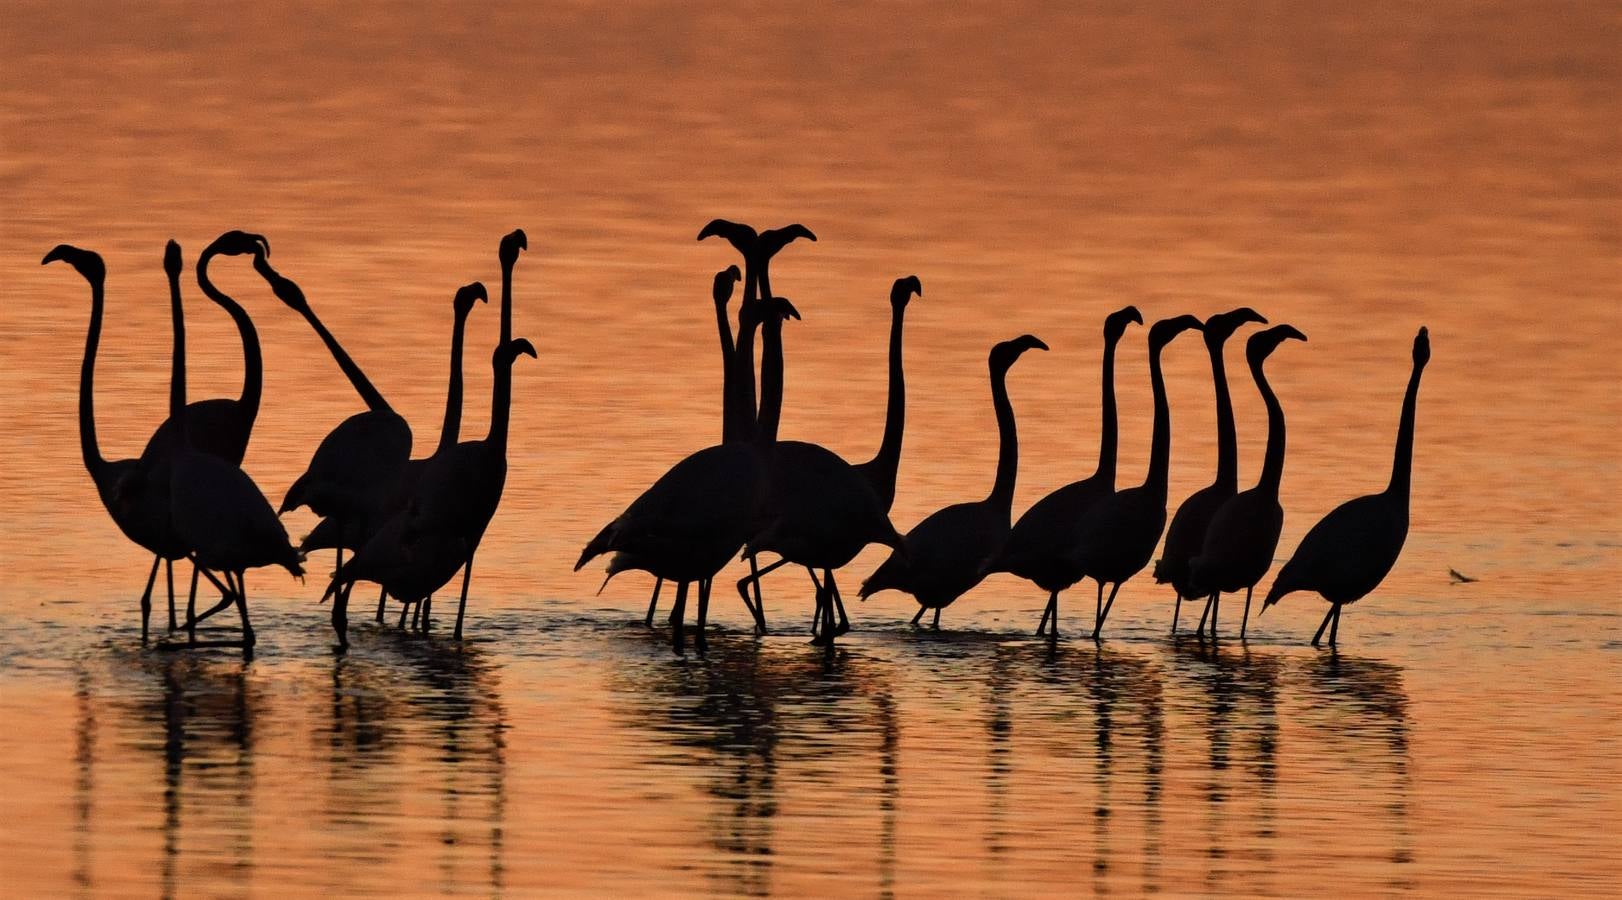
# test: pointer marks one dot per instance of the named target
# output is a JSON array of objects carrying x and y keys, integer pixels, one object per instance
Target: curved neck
[
  {"x": 1227, "y": 441},
  {"x": 1273, "y": 462},
  {"x": 1160, "y": 439},
  {"x": 363, "y": 386},
  {"x": 888, "y": 459},
  {"x": 253, "y": 364},
  {"x": 88, "y": 445},
  {"x": 177, "y": 365},
  {"x": 1002, "y": 490},
  {"x": 501, "y": 392},
  {"x": 1403, "y": 462},
  {"x": 771, "y": 380},
  {"x": 1109, "y": 427},
  {"x": 507, "y": 302},
  {"x": 452, "y": 425}
]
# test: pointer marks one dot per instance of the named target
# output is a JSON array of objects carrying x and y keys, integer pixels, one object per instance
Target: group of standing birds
[
  {"x": 811, "y": 508},
  {"x": 410, "y": 524}
]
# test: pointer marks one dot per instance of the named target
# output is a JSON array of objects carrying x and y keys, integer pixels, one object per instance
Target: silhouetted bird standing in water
[
  {"x": 1239, "y": 545},
  {"x": 140, "y": 510},
  {"x": 218, "y": 514},
  {"x": 1039, "y": 544},
  {"x": 353, "y": 473},
  {"x": 1117, "y": 536},
  {"x": 1186, "y": 534},
  {"x": 690, "y": 522},
  {"x": 948, "y": 552},
  {"x": 325, "y": 534},
  {"x": 418, "y": 550},
  {"x": 737, "y": 422},
  {"x": 824, "y": 506},
  {"x": 1349, "y": 552}
]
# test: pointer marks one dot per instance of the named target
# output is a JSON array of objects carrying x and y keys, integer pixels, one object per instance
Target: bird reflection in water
[
  {"x": 748, "y": 717},
  {"x": 1236, "y": 693},
  {"x": 416, "y": 718}
]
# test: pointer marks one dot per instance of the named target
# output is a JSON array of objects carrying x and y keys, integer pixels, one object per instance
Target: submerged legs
[
  {"x": 461, "y": 608},
  {"x": 653, "y": 602},
  {"x": 1325, "y": 624},
  {"x": 146, "y": 598},
  {"x": 1051, "y": 611},
  {"x": 678, "y": 611},
  {"x": 1104, "y": 613},
  {"x": 1245, "y": 623}
]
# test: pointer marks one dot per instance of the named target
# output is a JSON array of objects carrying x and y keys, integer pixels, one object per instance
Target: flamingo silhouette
[
  {"x": 737, "y": 407},
  {"x": 880, "y": 471},
  {"x": 1037, "y": 546},
  {"x": 325, "y": 534},
  {"x": 689, "y": 523},
  {"x": 357, "y": 465},
  {"x": 1238, "y": 546},
  {"x": 1116, "y": 537},
  {"x": 418, "y": 550},
  {"x": 1348, "y": 553},
  {"x": 948, "y": 552},
  {"x": 1186, "y": 534},
  {"x": 216, "y": 512},
  {"x": 141, "y": 513}
]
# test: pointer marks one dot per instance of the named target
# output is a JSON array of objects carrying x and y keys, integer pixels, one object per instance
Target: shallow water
[{"x": 1356, "y": 172}]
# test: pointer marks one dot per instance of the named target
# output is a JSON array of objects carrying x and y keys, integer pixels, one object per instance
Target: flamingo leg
[
  {"x": 1334, "y": 626},
  {"x": 169, "y": 576},
  {"x": 1204, "y": 615},
  {"x": 653, "y": 602},
  {"x": 1099, "y": 627},
  {"x": 382, "y": 596},
  {"x": 1325, "y": 624},
  {"x": 678, "y": 639},
  {"x": 242, "y": 609},
  {"x": 755, "y": 574},
  {"x": 146, "y": 597},
  {"x": 191, "y": 617},
  {"x": 839, "y": 602},
  {"x": 189, "y": 594},
  {"x": 461, "y": 608},
  {"x": 937, "y": 625},
  {"x": 1216, "y": 606},
  {"x": 703, "y": 614},
  {"x": 1245, "y": 623},
  {"x": 1176, "y": 610},
  {"x": 816, "y": 611},
  {"x": 427, "y": 609},
  {"x": 1051, "y": 617},
  {"x": 404, "y": 608},
  {"x": 921, "y": 610},
  {"x": 1047, "y": 611},
  {"x": 340, "y": 616}
]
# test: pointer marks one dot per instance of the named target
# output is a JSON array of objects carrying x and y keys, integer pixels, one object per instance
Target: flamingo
[
  {"x": 1349, "y": 552},
  {"x": 1186, "y": 534},
  {"x": 947, "y": 553},
  {"x": 1118, "y": 534},
  {"x": 216, "y": 511},
  {"x": 1238, "y": 546},
  {"x": 1037, "y": 545}
]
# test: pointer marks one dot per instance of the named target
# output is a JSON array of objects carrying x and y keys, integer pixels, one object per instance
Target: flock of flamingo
[{"x": 411, "y": 524}]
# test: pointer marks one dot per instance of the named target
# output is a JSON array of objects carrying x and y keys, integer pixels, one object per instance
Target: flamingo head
[
  {"x": 466, "y": 296},
  {"x": 1115, "y": 323},
  {"x": 904, "y": 289},
  {"x": 88, "y": 262}
]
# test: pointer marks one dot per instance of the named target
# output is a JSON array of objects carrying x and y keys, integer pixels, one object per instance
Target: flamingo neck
[
  {"x": 1227, "y": 440},
  {"x": 363, "y": 386},
  {"x": 88, "y": 445},
  {"x": 888, "y": 459},
  {"x": 501, "y": 392},
  {"x": 1109, "y": 426},
  {"x": 730, "y": 421},
  {"x": 738, "y": 407},
  {"x": 506, "y": 302},
  {"x": 771, "y": 380},
  {"x": 1403, "y": 460},
  {"x": 177, "y": 364},
  {"x": 1002, "y": 490},
  {"x": 1273, "y": 462},
  {"x": 1160, "y": 438},
  {"x": 253, "y": 364},
  {"x": 452, "y": 425}
]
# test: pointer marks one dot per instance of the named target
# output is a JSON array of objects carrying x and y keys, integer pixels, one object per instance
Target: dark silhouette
[
  {"x": 1117, "y": 536},
  {"x": 1458, "y": 577},
  {"x": 737, "y": 424},
  {"x": 1186, "y": 534},
  {"x": 419, "y": 549},
  {"x": 1348, "y": 553},
  {"x": 355, "y": 468},
  {"x": 1239, "y": 545},
  {"x": 879, "y": 472},
  {"x": 946, "y": 553},
  {"x": 1039, "y": 544},
  {"x": 218, "y": 514},
  {"x": 325, "y": 534},
  {"x": 690, "y": 522},
  {"x": 222, "y": 425}
]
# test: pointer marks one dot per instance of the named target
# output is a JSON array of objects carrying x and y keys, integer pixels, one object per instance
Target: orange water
[{"x": 1357, "y": 171}]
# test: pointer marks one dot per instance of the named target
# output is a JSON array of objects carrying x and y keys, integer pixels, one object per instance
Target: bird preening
[{"x": 409, "y": 525}]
